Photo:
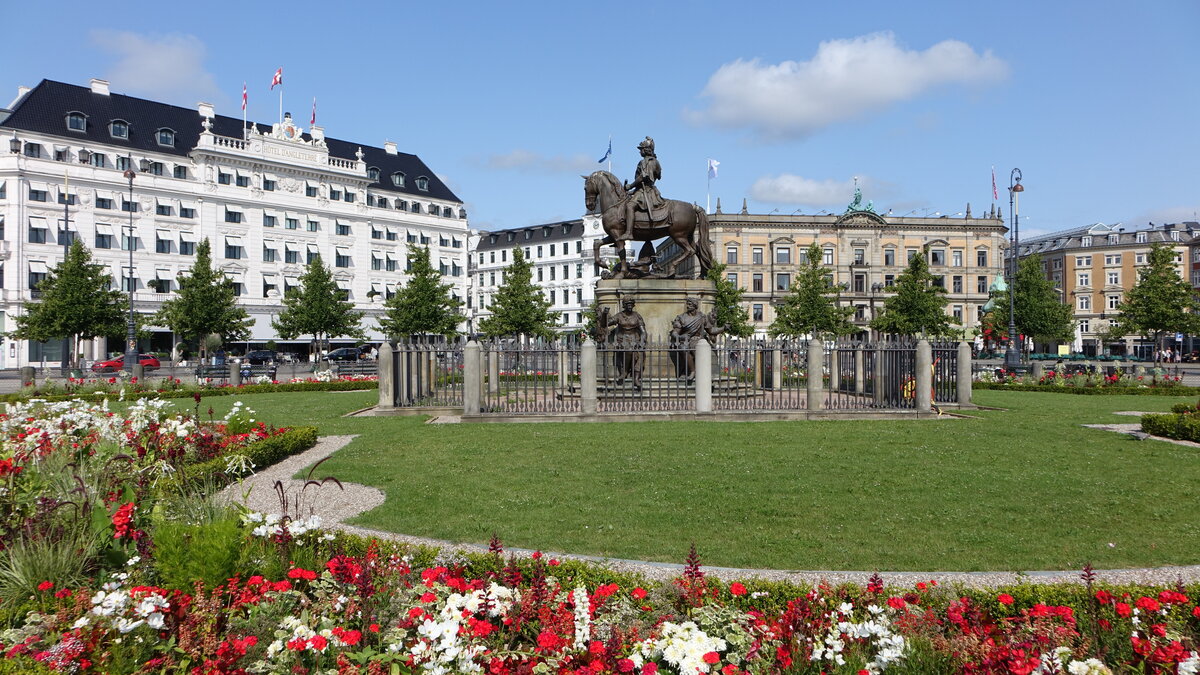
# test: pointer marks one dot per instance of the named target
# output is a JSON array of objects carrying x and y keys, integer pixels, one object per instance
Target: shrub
[
  {"x": 186, "y": 553},
  {"x": 261, "y": 454}
]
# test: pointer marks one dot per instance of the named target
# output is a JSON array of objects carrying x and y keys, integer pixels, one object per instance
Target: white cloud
[
  {"x": 166, "y": 68},
  {"x": 789, "y": 189},
  {"x": 844, "y": 80},
  {"x": 525, "y": 160},
  {"x": 1176, "y": 214}
]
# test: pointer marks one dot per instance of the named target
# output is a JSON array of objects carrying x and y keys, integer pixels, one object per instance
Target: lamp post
[
  {"x": 1012, "y": 358},
  {"x": 66, "y": 362},
  {"x": 131, "y": 351}
]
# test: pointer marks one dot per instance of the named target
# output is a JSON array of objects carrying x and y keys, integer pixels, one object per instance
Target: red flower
[
  {"x": 548, "y": 640},
  {"x": 301, "y": 573},
  {"x": 374, "y": 628},
  {"x": 554, "y": 562},
  {"x": 121, "y": 519},
  {"x": 45, "y": 585},
  {"x": 605, "y": 590},
  {"x": 1004, "y": 599},
  {"x": 625, "y": 666},
  {"x": 428, "y": 597},
  {"x": 896, "y": 603},
  {"x": 537, "y": 555},
  {"x": 1123, "y": 609},
  {"x": 737, "y": 589},
  {"x": 650, "y": 669},
  {"x": 318, "y": 642},
  {"x": 63, "y": 593},
  {"x": 1148, "y": 604},
  {"x": 712, "y": 657},
  {"x": 920, "y": 585},
  {"x": 1104, "y": 597},
  {"x": 638, "y": 593}
]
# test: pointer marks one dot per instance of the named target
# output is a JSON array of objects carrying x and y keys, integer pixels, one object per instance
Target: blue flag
[{"x": 606, "y": 154}]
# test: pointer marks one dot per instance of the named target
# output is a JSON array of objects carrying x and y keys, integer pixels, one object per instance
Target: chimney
[
  {"x": 205, "y": 109},
  {"x": 100, "y": 87},
  {"x": 21, "y": 91},
  {"x": 389, "y": 147}
]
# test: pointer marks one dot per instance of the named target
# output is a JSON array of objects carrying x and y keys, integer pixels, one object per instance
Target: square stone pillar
[
  {"x": 387, "y": 376},
  {"x": 703, "y": 374},
  {"x": 816, "y": 370},
  {"x": 472, "y": 378},
  {"x": 924, "y": 376}
]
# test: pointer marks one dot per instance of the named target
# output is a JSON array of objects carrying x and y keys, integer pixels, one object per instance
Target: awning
[
  {"x": 393, "y": 230},
  {"x": 377, "y": 287},
  {"x": 291, "y": 281},
  {"x": 344, "y": 284},
  {"x": 163, "y": 274},
  {"x": 342, "y": 250},
  {"x": 70, "y": 225},
  {"x": 37, "y": 223},
  {"x": 313, "y": 248},
  {"x": 269, "y": 278},
  {"x": 187, "y": 236},
  {"x": 164, "y": 234},
  {"x": 38, "y": 267},
  {"x": 391, "y": 256},
  {"x": 291, "y": 246},
  {"x": 127, "y": 271},
  {"x": 231, "y": 240},
  {"x": 101, "y": 228}
]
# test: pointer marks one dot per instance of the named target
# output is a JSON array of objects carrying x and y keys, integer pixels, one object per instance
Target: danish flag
[{"x": 277, "y": 78}]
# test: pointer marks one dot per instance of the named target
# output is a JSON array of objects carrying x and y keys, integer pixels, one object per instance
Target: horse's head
[
  {"x": 591, "y": 191},
  {"x": 595, "y": 187}
]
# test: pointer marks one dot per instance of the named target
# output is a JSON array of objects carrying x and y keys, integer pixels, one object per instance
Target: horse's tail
[{"x": 704, "y": 255}]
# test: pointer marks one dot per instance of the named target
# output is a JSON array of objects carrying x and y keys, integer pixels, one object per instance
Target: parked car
[
  {"x": 259, "y": 357},
  {"x": 343, "y": 354},
  {"x": 148, "y": 361}
]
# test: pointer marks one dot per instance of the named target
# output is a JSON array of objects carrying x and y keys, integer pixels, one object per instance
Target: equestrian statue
[{"x": 636, "y": 211}]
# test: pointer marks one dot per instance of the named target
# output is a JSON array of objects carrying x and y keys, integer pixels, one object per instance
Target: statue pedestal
[{"x": 659, "y": 301}]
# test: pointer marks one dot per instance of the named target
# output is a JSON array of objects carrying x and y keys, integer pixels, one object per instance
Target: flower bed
[
  {"x": 99, "y": 389},
  {"x": 1120, "y": 383}
]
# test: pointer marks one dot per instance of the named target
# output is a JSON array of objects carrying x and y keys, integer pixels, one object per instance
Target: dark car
[
  {"x": 148, "y": 361},
  {"x": 343, "y": 354},
  {"x": 259, "y": 357}
]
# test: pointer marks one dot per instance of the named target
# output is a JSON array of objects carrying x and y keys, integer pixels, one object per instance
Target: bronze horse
[{"x": 604, "y": 190}]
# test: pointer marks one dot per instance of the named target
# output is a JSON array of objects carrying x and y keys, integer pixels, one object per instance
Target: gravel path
[{"x": 335, "y": 506}]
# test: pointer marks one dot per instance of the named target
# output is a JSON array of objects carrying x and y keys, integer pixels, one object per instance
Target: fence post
[
  {"x": 965, "y": 371},
  {"x": 835, "y": 367},
  {"x": 387, "y": 378},
  {"x": 816, "y": 371},
  {"x": 777, "y": 370},
  {"x": 471, "y": 378},
  {"x": 493, "y": 374},
  {"x": 235, "y": 374},
  {"x": 881, "y": 355},
  {"x": 860, "y": 384},
  {"x": 587, "y": 376},
  {"x": 562, "y": 348},
  {"x": 703, "y": 376},
  {"x": 924, "y": 375}
]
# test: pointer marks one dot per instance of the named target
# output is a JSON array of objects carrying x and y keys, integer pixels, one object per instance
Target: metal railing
[
  {"x": 427, "y": 375},
  {"x": 655, "y": 378},
  {"x": 531, "y": 377},
  {"x": 751, "y": 375}
]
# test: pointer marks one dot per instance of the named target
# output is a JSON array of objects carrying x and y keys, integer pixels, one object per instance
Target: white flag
[{"x": 712, "y": 168}]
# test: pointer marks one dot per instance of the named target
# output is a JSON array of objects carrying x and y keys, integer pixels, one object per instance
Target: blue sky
[{"x": 1096, "y": 102}]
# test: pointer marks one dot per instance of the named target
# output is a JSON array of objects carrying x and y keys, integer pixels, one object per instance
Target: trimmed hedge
[
  {"x": 262, "y": 454},
  {"x": 335, "y": 385},
  {"x": 1174, "y": 390},
  {"x": 1183, "y": 427}
]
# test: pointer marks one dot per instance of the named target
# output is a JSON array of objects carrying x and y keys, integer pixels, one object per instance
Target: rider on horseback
[{"x": 648, "y": 171}]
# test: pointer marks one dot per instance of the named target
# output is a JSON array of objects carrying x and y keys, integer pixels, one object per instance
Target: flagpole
[
  {"x": 610, "y": 153},
  {"x": 245, "y": 135},
  {"x": 281, "y": 103}
]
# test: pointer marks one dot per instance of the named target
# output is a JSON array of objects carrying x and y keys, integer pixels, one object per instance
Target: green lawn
[{"x": 1022, "y": 489}]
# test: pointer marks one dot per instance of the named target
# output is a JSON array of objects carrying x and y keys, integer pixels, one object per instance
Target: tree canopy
[
  {"x": 518, "y": 306},
  {"x": 1037, "y": 310},
  {"x": 77, "y": 301},
  {"x": 810, "y": 308},
  {"x": 205, "y": 304},
  {"x": 918, "y": 306},
  {"x": 424, "y": 305},
  {"x": 316, "y": 308},
  {"x": 1162, "y": 301},
  {"x": 730, "y": 313}
]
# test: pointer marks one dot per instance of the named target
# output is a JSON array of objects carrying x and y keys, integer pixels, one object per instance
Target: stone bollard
[
  {"x": 860, "y": 383},
  {"x": 235, "y": 374},
  {"x": 472, "y": 378},
  {"x": 1039, "y": 371},
  {"x": 139, "y": 371},
  {"x": 561, "y": 347},
  {"x": 28, "y": 375},
  {"x": 777, "y": 371},
  {"x": 493, "y": 373},
  {"x": 878, "y": 384},
  {"x": 387, "y": 375},
  {"x": 587, "y": 376},
  {"x": 924, "y": 376},
  {"x": 1139, "y": 371},
  {"x": 816, "y": 370},
  {"x": 704, "y": 390},
  {"x": 965, "y": 373}
]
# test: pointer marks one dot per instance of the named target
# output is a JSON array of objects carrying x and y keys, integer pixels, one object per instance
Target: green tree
[
  {"x": 918, "y": 307},
  {"x": 809, "y": 308},
  {"x": 518, "y": 307},
  {"x": 1038, "y": 311},
  {"x": 730, "y": 313},
  {"x": 76, "y": 302},
  {"x": 316, "y": 308},
  {"x": 205, "y": 305},
  {"x": 424, "y": 306},
  {"x": 1161, "y": 301}
]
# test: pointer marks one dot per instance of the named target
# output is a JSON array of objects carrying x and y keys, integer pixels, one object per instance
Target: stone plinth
[{"x": 659, "y": 301}]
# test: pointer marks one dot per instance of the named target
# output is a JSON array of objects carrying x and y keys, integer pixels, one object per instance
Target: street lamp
[
  {"x": 131, "y": 350},
  {"x": 1012, "y": 357}
]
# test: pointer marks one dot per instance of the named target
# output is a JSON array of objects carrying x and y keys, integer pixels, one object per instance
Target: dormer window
[
  {"x": 118, "y": 129},
  {"x": 1085, "y": 241},
  {"x": 1141, "y": 237},
  {"x": 373, "y": 173},
  {"x": 166, "y": 137},
  {"x": 77, "y": 121},
  {"x": 398, "y": 179},
  {"x": 423, "y": 184}
]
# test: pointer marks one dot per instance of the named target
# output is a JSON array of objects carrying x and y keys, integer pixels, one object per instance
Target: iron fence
[
  {"x": 524, "y": 378},
  {"x": 427, "y": 374},
  {"x": 659, "y": 377},
  {"x": 945, "y": 372},
  {"x": 765, "y": 375}
]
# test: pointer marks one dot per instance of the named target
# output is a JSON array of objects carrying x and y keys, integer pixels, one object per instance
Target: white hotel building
[{"x": 268, "y": 198}]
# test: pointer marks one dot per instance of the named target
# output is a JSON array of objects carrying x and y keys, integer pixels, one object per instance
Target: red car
[{"x": 148, "y": 361}]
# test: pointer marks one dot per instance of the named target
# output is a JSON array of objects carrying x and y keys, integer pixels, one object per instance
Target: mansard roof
[
  {"x": 44, "y": 109},
  {"x": 549, "y": 233}
]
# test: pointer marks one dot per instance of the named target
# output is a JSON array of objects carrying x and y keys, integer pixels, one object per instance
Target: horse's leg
[{"x": 599, "y": 243}]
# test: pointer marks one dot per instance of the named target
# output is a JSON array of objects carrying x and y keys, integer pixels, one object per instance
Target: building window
[
  {"x": 224, "y": 178},
  {"x": 162, "y": 245},
  {"x": 291, "y": 223},
  {"x": 551, "y": 247},
  {"x": 392, "y": 235},
  {"x": 756, "y": 283},
  {"x": 939, "y": 281},
  {"x": 291, "y": 256},
  {"x": 1085, "y": 241},
  {"x": 311, "y": 190},
  {"x": 756, "y": 255},
  {"x": 239, "y": 289},
  {"x": 233, "y": 216},
  {"x": 1141, "y": 237},
  {"x": 957, "y": 284},
  {"x": 103, "y": 240},
  {"x": 157, "y": 168},
  {"x": 341, "y": 260},
  {"x": 187, "y": 247},
  {"x": 163, "y": 210},
  {"x": 269, "y": 220},
  {"x": 38, "y": 195},
  {"x": 1116, "y": 259},
  {"x": 378, "y": 234},
  {"x": 860, "y": 256},
  {"x": 757, "y": 312},
  {"x": 342, "y": 229},
  {"x": 335, "y": 195},
  {"x": 889, "y": 256},
  {"x": 957, "y": 313},
  {"x": 1114, "y": 301},
  {"x": 242, "y": 181},
  {"x": 349, "y": 197},
  {"x": 1114, "y": 278},
  {"x": 268, "y": 185},
  {"x": 104, "y": 203},
  {"x": 161, "y": 285},
  {"x": 128, "y": 243},
  {"x": 76, "y": 121},
  {"x": 731, "y": 277},
  {"x": 423, "y": 184},
  {"x": 314, "y": 226},
  {"x": 1085, "y": 303},
  {"x": 37, "y": 235},
  {"x": 827, "y": 256},
  {"x": 539, "y": 251},
  {"x": 981, "y": 258},
  {"x": 180, "y": 172},
  {"x": 1139, "y": 259},
  {"x": 98, "y": 160},
  {"x": 269, "y": 254},
  {"x": 937, "y": 257},
  {"x": 33, "y": 150},
  {"x": 1083, "y": 261},
  {"x": 118, "y": 129},
  {"x": 1084, "y": 279},
  {"x": 373, "y": 173},
  {"x": 398, "y": 180},
  {"x": 956, "y": 258},
  {"x": 166, "y": 137},
  {"x": 312, "y": 256},
  {"x": 783, "y": 282},
  {"x": 731, "y": 255},
  {"x": 376, "y": 264},
  {"x": 783, "y": 255},
  {"x": 232, "y": 250}
]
